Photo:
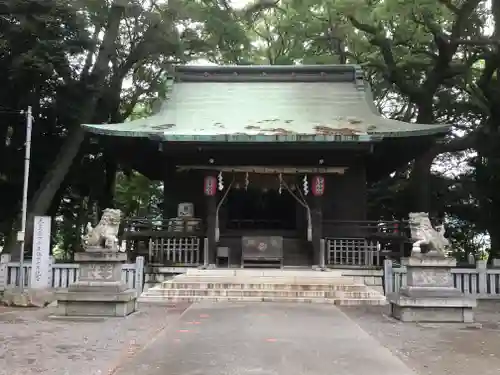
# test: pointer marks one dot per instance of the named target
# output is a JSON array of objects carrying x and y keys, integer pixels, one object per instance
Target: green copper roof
[{"x": 267, "y": 104}]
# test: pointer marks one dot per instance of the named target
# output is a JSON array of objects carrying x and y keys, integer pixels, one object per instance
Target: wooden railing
[
  {"x": 352, "y": 252},
  {"x": 370, "y": 229},
  {"x": 154, "y": 227},
  {"x": 156, "y": 240},
  {"x": 179, "y": 251},
  {"x": 364, "y": 243}
]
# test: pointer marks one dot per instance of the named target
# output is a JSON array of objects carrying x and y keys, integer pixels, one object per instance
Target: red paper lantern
[
  {"x": 396, "y": 228},
  {"x": 210, "y": 186},
  {"x": 318, "y": 186}
]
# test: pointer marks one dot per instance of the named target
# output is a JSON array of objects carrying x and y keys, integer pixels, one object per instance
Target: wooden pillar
[
  {"x": 317, "y": 189},
  {"x": 317, "y": 227},
  {"x": 170, "y": 199},
  {"x": 211, "y": 212}
]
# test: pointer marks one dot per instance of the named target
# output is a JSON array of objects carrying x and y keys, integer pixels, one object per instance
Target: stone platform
[
  {"x": 27, "y": 298},
  {"x": 247, "y": 285},
  {"x": 430, "y": 295},
  {"x": 99, "y": 290}
]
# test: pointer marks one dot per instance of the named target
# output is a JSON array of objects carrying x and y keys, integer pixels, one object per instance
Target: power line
[{"x": 12, "y": 112}]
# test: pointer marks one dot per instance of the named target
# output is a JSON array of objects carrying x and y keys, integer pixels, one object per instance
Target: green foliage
[
  {"x": 136, "y": 195},
  {"x": 427, "y": 61}
]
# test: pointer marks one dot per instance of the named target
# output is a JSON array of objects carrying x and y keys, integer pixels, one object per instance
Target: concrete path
[{"x": 264, "y": 339}]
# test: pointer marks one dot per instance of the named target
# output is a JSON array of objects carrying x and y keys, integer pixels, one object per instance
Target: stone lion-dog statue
[
  {"x": 105, "y": 234},
  {"x": 423, "y": 233}
]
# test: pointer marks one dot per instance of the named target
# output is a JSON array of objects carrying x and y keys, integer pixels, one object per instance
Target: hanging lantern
[
  {"x": 318, "y": 186},
  {"x": 396, "y": 228},
  {"x": 210, "y": 186}
]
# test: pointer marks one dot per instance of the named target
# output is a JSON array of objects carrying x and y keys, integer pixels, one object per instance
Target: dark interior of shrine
[{"x": 261, "y": 209}]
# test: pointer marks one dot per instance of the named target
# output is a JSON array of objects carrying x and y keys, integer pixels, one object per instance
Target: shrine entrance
[
  {"x": 262, "y": 217},
  {"x": 256, "y": 209},
  {"x": 264, "y": 220}
]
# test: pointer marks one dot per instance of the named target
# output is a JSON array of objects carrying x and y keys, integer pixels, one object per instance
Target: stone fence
[
  {"x": 61, "y": 275},
  {"x": 481, "y": 281}
]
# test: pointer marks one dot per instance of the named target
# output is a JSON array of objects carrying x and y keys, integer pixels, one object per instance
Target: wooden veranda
[{"x": 352, "y": 243}]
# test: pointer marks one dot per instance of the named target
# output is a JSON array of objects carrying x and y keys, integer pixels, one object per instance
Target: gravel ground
[
  {"x": 438, "y": 349},
  {"x": 33, "y": 343}
]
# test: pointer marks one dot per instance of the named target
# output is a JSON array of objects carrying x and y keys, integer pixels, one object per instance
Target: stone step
[
  {"x": 262, "y": 286},
  {"x": 259, "y": 293},
  {"x": 361, "y": 302},
  {"x": 301, "y": 286},
  {"x": 262, "y": 273},
  {"x": 266, "y": 280},
  {"x": 333, "y": 301}
]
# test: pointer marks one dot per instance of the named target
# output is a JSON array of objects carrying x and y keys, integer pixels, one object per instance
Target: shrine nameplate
[{"x": 262, "y": 248}]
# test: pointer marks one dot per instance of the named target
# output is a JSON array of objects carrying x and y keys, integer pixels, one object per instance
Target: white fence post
[
  {"x": 388, "y": 277},
  {"x": 482, "y": 276},
  {"x": 50, "y": 282},
  {"x": 139, "y": 275},
  {"x": 322, "y": 255},
  {"x": 205, "y": 252},
  {"x": 4, "y": 261}
]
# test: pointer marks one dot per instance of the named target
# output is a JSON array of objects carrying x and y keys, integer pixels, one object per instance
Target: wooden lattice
[
  {"x": 352, "y": 252},
  {"x": 179, "y": 251}
]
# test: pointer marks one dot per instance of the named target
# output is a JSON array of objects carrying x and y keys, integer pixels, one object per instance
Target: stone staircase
[{"x": 249, "y": 285}]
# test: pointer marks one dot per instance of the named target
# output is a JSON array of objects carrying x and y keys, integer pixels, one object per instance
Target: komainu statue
[
  {"x": 423, "y": 233},
  {"x": 105, "y": 234}
]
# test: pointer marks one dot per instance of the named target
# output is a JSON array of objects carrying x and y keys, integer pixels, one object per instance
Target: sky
[{"x": 239, "y": 3}]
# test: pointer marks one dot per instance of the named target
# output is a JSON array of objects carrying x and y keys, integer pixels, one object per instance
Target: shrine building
[{"x": 266, "y": 165}]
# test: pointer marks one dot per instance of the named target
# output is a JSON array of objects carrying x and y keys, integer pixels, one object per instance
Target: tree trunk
[
  {"x": 495, "y": 243},
  {"x": 420, "y": 183},
  {"x": 94, "y": 82},
  {"x": 420, "y": 179},
  {"x": 107, "y": 196}
]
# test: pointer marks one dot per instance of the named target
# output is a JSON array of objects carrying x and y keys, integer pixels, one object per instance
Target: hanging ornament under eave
[
  {"x": 210, "y": 186},
  {"x": 247, "y": 181},
  {"x": 305, "y": 185},
  {"x": 280, "y": 189},
  {"x": 318, "y": 186},
  {"x": 220, "y": 181}
]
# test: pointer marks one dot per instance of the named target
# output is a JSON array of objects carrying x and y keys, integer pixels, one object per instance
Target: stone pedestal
[
  {"x": 99, "y": 290},
  {"x": 430, "y": 295}
]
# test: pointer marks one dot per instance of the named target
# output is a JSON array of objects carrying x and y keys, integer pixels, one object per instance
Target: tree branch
[
  {"x": 446, "y": 47},
  {"x": 393, "y": 73}
]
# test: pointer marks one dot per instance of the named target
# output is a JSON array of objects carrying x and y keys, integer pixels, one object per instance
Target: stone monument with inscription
[
  {"x": 429, "y": 294},
  {"x": 99, "y": 290}
]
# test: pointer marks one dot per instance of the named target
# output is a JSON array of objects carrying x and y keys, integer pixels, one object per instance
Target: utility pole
[{"x": 21, "y": 236}]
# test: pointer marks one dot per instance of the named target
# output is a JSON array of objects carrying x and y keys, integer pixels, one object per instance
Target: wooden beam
[{"x": 264, "y": 170}]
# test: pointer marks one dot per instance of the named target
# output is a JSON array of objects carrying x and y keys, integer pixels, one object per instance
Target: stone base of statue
[
  {"x": 430, "y": 295},
  {"x": 99, "y": 290}
]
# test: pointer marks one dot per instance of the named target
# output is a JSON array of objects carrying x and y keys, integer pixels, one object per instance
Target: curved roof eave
[
  {"x": 114, "y": 130},
  {"x": 293, "y": 104}
]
